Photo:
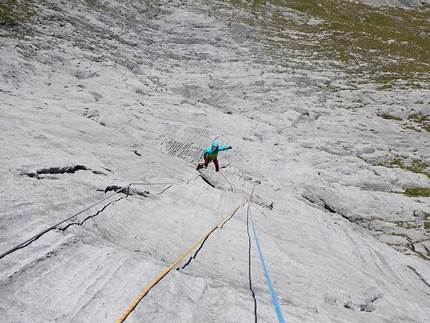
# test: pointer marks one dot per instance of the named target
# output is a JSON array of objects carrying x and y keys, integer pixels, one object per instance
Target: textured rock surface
[
  {"x": 397, "y": 3},
  {"x": 98, "y": 97}
]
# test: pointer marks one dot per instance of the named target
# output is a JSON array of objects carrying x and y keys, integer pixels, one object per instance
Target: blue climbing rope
[{"x": 266, "y": 272}]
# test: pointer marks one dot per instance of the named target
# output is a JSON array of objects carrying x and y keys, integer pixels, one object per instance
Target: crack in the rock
[
  {"x": 195, "y": 254},
  {"x": 165, "y": 189},
  {"x": 369, "y": 306},
  {"x": 419, "y": 275},
  {"x": 209, "y": 183},
  {"x": 92, "y": 216},
  {"x": 39, "y": 174},
  {"x": 126, "y": 190},
  {"x": 366, "y": 306},
  {"x": 118, "y": 189},
  {"x": 366, "y": 224},
  {"x": 320, "y": 202}
]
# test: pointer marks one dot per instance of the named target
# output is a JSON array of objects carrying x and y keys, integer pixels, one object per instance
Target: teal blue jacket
[{"x": 209, "y": 152}]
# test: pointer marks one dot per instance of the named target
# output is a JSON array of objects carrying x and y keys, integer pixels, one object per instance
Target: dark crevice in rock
[
  {"x": 387, "y": 229},
  {"x": 321, "y": 202},
  {"x": 366, "y": 306},
  {"x": 91, "y": 216},
  {"x": 165, "y": 189},
  {"x": 369, "y": 306},
  {"x": 195, "y": 254},
  {"x": 41, "y": 173},
  {"x": 419, "y": 276},
  {"x": 329, "y": 208},
  {"x": 127, "y": 190},
  {"x": 61, "y": 170},
  {"x": 207, "y": 181},
  {"x": 117, "y": 189}
]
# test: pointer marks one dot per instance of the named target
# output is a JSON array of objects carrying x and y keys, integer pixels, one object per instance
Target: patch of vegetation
[
  {"x": 94, "y": 4},
  {"x": 418, "y": 117},
  {"x": 413, "y": 165},
  {"x": 417, "y": 192},
  {"x": 382, "y": 44},
  {"x": 421, "y": 119},
  {"x": 405, "y": 225},
  {"x": 395, "y": 35},
  {"x": 417, "y": 166},
  {"x": 426, "y": 221},
  {"x": 413, "y": 128},
  {"x": 14, "y": 13},
  {"x": 389, "y": 117}
]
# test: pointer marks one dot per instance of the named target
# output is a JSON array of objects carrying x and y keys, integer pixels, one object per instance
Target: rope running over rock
[{"x": 168, "y": 269}]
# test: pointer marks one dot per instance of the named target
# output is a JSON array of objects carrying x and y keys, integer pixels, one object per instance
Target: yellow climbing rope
[
  {"x": 238, "y": 190},
  {"x": 168, "y": 269}
]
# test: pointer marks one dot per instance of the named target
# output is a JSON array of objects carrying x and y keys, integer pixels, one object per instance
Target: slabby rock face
[
  {"x": 389, "y": 222},
  {"x": 107, "y": 107}
]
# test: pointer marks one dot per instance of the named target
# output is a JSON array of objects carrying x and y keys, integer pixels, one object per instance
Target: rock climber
[{"x": 211, "y": 154}]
